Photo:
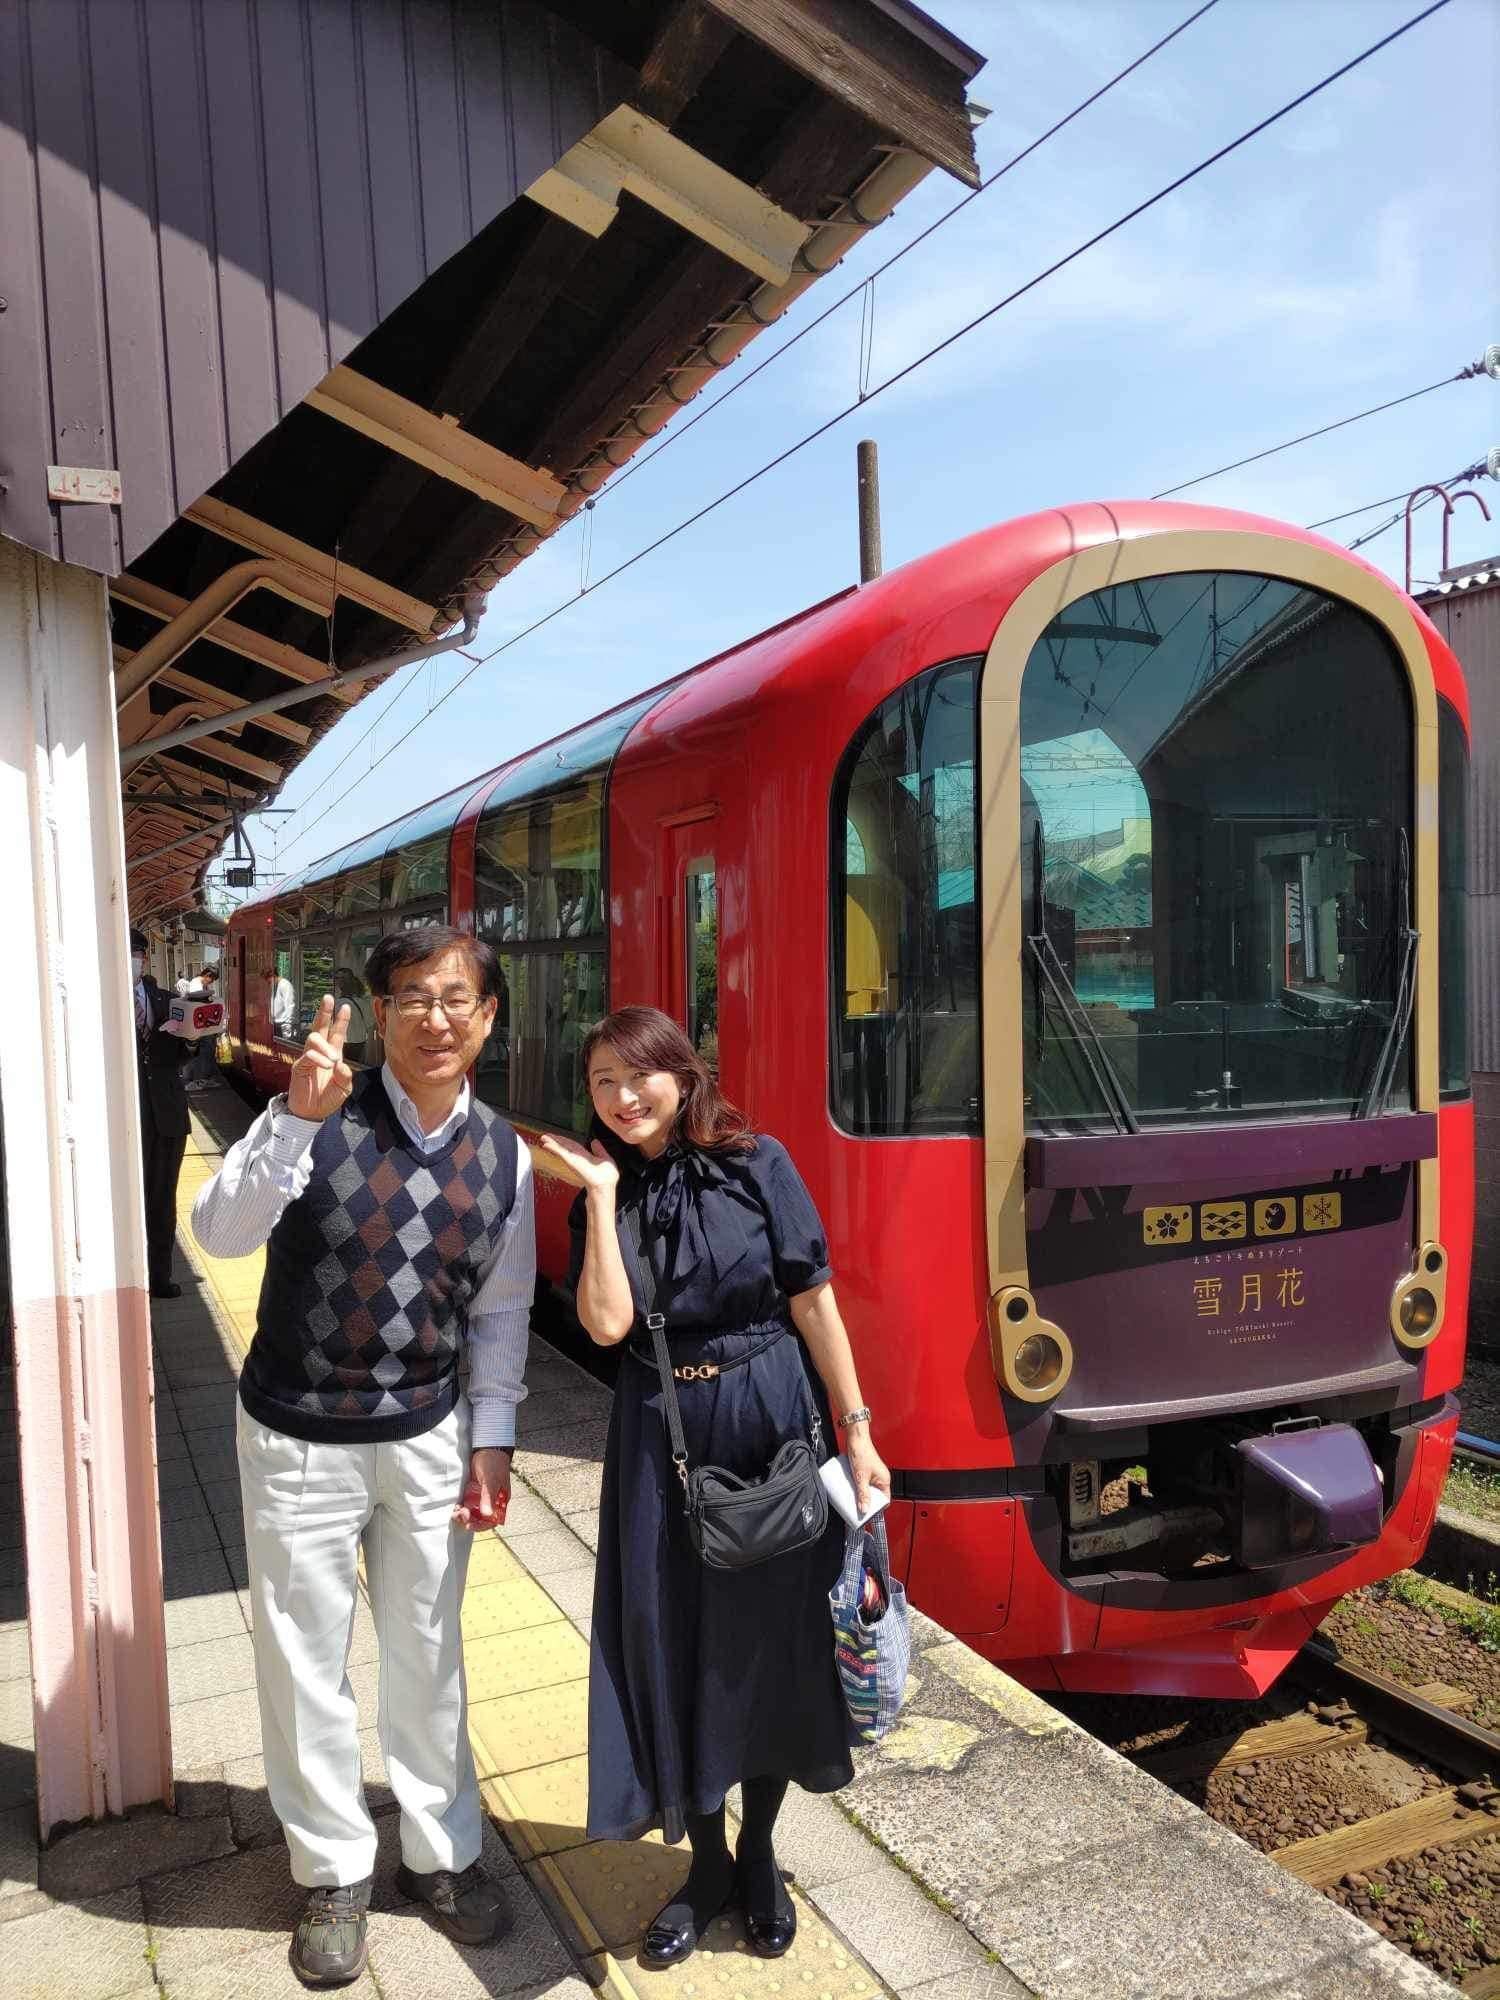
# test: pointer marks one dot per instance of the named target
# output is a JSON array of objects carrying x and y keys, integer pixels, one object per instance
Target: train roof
[{"x": 930, "y": 588}]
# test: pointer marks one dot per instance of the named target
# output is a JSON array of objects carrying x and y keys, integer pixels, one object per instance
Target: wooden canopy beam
[
  {"x": 242, "y": 639},
  {"x": 225, "y": 752},
  {"x": 192, "y": 777},
  {"x": 867, "y": 60},
  {"x": 689, "y": 43},
  {"x": 630, "y": 152},
  {"x": 233, "y": 525},
  {"x": 439, "y": 446},
  {"x": 217, "y": 699}
]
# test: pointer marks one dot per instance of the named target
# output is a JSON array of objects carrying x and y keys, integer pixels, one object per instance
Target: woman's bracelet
[{"x": 859, "y": 1416}]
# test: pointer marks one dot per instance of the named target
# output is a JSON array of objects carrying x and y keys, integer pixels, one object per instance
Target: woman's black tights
[{"x": 711, "y": 1877}]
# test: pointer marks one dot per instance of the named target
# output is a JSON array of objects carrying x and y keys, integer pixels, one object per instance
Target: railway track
[{"x": 1310, "y": 1787}]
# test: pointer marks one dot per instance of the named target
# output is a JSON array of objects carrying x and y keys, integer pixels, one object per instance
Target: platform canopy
[{"x": 366, "y": 297}]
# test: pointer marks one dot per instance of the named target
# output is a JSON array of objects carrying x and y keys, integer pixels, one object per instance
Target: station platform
[{"x": 988, "y": 1849}]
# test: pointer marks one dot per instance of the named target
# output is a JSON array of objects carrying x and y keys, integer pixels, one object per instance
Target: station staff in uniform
[
  {"x": 396, "y": 1211},
  {"x": 159, "y": 1059}
]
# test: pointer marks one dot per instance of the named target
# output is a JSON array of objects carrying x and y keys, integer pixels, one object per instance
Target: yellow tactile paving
[
  {"x": 618, "y": 1885},
  {"x": 497, "y": 1608},
  {"x": 543, "y": 1809},
  {"x": 537, "y": 1656},
  {"x": 491, "y": 1561},
  {"x": 527, "y": 1669},
  {"x": 516, "y": 1731}
]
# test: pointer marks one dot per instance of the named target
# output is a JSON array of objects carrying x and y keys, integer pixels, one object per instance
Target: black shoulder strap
[{"x": 656, "y": 1326}]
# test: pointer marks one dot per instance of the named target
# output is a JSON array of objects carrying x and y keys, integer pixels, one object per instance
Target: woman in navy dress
[{"x": 701, "y": 1679}]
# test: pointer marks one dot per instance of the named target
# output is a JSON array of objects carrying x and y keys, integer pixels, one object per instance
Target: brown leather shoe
[
  {"x": 328, "y": 1945},
  {"x": 467, "y": 1905}
]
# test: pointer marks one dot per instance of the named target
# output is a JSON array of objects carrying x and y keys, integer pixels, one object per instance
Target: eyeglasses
[{"x": 457, "y": 1007}]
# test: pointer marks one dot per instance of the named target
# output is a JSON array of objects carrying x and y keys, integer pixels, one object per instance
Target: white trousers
[{"x": 309, "y": 1509}]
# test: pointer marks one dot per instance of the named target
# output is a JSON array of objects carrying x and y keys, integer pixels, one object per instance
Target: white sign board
[{"x": 84, "y": 482}]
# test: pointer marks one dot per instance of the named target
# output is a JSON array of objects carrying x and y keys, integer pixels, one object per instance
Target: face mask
[{"x": 137, "y": 964}]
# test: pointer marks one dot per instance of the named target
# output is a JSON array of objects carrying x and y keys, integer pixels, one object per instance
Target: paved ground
[
  {"x": 1030, "y": 1859},
  {"x": 200, "y": 1904}
]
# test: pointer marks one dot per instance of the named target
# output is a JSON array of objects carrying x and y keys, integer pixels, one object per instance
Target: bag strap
[{"x": 656, "y": 1326}]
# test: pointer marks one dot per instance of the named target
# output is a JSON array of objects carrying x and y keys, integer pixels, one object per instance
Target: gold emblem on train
[
  {"x": 1221, "y": 1221},
  {"x": 1322, "y": 1211},
  {"x": 1276, "y": 1216},
  {"x": 1167, "y": 1225}
]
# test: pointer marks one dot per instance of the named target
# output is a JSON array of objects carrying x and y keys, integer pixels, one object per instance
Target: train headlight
[
  {"x": 1417, "y": 1302},
  {"x": 1038, "y": 1361},
  {"x": 1418, "y": 1310},
  {"x": 1033, "y": 1358}
]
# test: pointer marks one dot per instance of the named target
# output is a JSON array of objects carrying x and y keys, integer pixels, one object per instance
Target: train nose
[{"x": 1306, "y": 1492}]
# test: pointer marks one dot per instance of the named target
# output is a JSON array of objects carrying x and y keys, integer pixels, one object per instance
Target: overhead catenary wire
[
  {"x": 1323, "y": 430},
  {"x": 902, "y": 374},
  {"x": 864, "y": 289},
  {"x": 866, "y": 284}
]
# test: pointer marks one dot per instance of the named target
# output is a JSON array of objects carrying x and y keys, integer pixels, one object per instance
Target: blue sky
[{"x": 1347, "y": 256}]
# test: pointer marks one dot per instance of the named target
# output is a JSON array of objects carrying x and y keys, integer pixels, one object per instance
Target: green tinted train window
[{"x": 1216, "y": 857}]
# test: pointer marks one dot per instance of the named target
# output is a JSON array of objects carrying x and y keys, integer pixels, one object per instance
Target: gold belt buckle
[{"x": 697, "y": 1372}]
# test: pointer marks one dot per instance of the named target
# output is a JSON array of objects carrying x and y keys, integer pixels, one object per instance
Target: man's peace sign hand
[{"x": 321, "y": 1079}]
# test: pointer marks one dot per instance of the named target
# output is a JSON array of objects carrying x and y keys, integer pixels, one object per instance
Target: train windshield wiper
[
  {"x": 1106, "y": 1076},
  {"x": 1377, "y": 1092}
]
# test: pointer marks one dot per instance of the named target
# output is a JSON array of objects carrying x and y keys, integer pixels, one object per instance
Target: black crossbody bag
[{"x": 734, "y": 1523}]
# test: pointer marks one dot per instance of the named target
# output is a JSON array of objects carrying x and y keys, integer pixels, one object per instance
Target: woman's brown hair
[{"x": 650, "y": 1040}]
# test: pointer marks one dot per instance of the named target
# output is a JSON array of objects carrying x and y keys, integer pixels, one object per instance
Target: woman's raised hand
[
  {"x": 589, "y": 1164},
  {"x": 321, "y": 1079}
]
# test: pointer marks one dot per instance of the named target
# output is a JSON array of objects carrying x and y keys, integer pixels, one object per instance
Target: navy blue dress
[{"x": 699, "y": 1678}]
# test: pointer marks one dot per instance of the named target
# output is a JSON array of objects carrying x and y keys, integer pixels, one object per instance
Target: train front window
[
  {"x": 1216, "y": 859},
  {"x": 905, "y": 945},
  {"x": 1453, "y": 901}
]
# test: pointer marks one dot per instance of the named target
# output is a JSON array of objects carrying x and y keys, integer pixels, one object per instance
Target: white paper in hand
[{"x": 839, "y": 1480}]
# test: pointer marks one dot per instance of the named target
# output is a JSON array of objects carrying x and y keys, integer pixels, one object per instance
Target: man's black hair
[{"x": 398, "y": 950}]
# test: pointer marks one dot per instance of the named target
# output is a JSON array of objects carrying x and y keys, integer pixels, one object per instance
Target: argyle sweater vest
[{"x": 369, "y": 1273}]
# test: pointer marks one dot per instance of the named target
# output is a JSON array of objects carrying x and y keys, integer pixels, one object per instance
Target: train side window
[
  {"x": 352, "y": 947},
  {"x": 538, "y": 899},
  {"x": 314, "y": 977},
  {"x": 701, "y": 959},
  {"x": 1453, "y": 902},
  {"x": 418, "y": 874},
  {"x": 905, "y": 942}
]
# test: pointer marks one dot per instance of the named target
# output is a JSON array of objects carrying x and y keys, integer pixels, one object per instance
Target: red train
[{"x": 1083, "y": 904}]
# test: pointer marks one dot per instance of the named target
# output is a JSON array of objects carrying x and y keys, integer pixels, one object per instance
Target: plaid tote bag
[{"x": 872, "y": 1653}]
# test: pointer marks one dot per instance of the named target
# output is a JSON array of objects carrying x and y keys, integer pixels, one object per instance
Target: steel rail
[{"x": 1442, "y": 1734}]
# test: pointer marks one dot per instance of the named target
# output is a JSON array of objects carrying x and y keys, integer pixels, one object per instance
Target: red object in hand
[{"x": 473, "y": 1500}]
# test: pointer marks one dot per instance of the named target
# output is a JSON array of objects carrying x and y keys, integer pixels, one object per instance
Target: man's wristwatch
[{"x": 859, "y": 1416}]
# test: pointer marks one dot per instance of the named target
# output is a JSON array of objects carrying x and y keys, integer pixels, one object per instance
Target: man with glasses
[{"x": 396, "y": 1211}]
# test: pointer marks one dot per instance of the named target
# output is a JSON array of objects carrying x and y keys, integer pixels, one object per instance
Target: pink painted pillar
[{"x": 74, "y": 1209}]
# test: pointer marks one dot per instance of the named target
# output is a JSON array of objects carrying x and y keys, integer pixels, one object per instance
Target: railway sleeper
[
  {"x": 1335, "y": 1726},
  {"x": 1440, "y": 1820}
]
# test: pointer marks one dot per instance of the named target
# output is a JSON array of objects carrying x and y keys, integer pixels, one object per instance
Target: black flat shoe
[
  {"x": 770, "y": 1914},
  {"x": 676, "y": 1931}
]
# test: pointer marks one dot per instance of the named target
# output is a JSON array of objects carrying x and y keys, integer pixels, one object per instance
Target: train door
[{"x": 688, "y": 966}]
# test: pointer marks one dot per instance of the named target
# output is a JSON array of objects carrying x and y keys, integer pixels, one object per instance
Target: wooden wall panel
[{"x": 204, "y": 204}]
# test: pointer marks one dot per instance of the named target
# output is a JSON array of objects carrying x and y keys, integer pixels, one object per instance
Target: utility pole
[{"x": 868, "y": 459}]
